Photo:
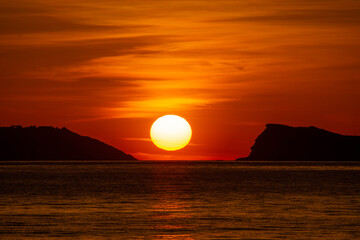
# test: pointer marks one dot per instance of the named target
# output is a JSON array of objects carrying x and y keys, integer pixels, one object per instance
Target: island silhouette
[
  {"x": 50, "y": 143},
  {"x": 276, "y": 143},
  {"x": 284, "y": 143}
]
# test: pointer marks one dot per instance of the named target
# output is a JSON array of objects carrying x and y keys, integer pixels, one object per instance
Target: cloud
[
  {"x": 64, "y": 100},
  {"x": 15, "y": 59},
  {"x": 301, "y": 17},
  {"x": 138, "y": 139},
  {"x": 154, "y": 106},
  {"x": 20, "y": 8},
  {"x": 38, "y": 24}
]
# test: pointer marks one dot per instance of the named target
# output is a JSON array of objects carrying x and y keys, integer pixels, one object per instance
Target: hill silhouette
[
  {"x": 284, "y": 143},
  {"x": 49, "y": 143}
]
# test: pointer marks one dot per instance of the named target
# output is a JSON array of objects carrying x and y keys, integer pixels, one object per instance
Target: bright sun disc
[{"x": 170, "y": 132}]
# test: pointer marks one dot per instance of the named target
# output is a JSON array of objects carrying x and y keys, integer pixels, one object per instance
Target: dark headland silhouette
[
  {"x": 49, "y": 143},
  {"x": 284, "y": 143}
]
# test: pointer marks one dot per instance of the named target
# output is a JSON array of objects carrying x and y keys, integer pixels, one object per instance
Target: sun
[{"x": 170, "y": 132}]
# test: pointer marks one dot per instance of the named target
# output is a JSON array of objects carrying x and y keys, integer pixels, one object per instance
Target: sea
[{"x": 188, "y": 200}]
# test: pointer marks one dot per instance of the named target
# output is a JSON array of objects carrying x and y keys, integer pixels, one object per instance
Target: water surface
[{"x": 179, "y": 200}]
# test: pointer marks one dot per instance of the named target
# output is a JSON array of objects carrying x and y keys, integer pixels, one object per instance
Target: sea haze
[{"x": 179, "y": 200}]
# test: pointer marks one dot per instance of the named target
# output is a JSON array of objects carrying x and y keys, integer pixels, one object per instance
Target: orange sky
[{"x": 108, "y": 69}]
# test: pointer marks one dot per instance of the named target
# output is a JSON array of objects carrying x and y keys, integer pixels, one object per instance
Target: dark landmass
[
  {"x": 49, "y": 143},
  {"x": 284, "y": 143}
]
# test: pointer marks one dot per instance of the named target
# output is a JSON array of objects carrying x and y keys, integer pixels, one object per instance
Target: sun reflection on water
[{"x": 171, "y": 210}]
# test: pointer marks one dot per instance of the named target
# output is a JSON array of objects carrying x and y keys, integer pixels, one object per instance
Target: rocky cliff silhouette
[
  {"x": 284, "y": 143},
  {"x": 49, "y": 143}
]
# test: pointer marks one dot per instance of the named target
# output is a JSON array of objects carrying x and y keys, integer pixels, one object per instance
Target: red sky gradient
[{"x": 108, "y": 69}]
